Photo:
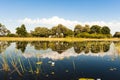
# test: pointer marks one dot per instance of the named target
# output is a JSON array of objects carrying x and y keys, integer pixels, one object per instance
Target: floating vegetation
[
  {"x": 52, "y": 72},
  {"x": 66, "y": 71},
  {"x": 53, "y": 64},
  {"x": 49, "y": 61},
  {"x": 39, "y": 62},
  {"x": 113, "y": 69},
  {"x": 86, "y": 79},
  {"x": 37, "y": 71},
  {"x": 47, "y": 75}
]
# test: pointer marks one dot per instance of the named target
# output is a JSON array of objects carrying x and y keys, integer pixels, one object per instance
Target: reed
[
  {"x": 5, "y": 65},
  {"x": 31, "y": 70}
]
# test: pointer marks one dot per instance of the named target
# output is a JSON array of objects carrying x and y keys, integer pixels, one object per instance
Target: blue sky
[{"x": 14, "y": 12}]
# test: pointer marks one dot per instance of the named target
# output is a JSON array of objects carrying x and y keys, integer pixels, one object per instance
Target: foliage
[
  {"x": 94, "y": 35},
  {"x": 61, "y": 31},
  {"x": 95, "y": 29},
  {"x": 21, "y": 31},
  {"x": 86, "y": 31},
  {"x": 81, "y": 29},
  {"x": 41, "y": 32},
  {"x": 117, "y": 34},
  {"x": 11, "y": 35},
  {"x": 78, "y": 29},
  {"x": 105, "y": 30},
  {"x": 3, "y": 30}
]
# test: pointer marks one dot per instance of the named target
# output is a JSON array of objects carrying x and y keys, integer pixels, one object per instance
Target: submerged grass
[
  {"x": 5, "y": 65},
  {"x": 31, "y": 69},
  {"x": 16, "y": 65},
  {"x": 21, "y": 65}
]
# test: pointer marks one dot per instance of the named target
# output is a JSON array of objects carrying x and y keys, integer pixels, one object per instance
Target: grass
[
  {"x": 15, "y": 65},
  {"x": 55, "y": 39}
]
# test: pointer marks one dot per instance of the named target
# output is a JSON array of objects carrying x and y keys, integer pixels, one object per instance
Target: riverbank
[{"x": 54, "y": 39}]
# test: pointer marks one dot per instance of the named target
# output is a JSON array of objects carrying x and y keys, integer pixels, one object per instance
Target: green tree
[
  {"x": 69, "y": 33},
  {"x": 95, "y": 29},
  {"x": 86, "y": 28},
  {"x": 117, "y": 34},
  {"x": 41, "y": 32},
  {"x": 3, "y": 30},
  {"x": 105, "y": 30},
  {"x": 21, "y": 31},
  {"x": 61, "y": 31},
  {"x": 78, "y": 29}
]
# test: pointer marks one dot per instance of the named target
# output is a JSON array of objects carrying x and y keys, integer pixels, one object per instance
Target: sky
[{"x": 48, "y": 13}]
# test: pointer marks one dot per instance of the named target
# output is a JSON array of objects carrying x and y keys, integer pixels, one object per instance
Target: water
[{"x": 59, "y": 60}]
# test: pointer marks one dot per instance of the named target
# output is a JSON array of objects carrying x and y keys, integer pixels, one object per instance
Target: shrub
[{"x": 88, "y": 35}]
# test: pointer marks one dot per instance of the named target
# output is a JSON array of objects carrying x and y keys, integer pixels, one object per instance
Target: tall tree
[
  {"x": 3, "y": 30},
  {"x": 41, "y": 32},
  {"x": 21, "y": 31},
  {"x": 117, "y": 34},
  {"x": 78, "y": 29},
  {"x": 95, "y": 29},
  {"x": 61, "y": 31},
  {"x": 86, "y": 28},
  {"x": 105, "y": 30}
]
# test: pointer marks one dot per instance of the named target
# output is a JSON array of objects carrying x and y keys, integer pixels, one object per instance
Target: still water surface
[{"x": 59, "y": 60}]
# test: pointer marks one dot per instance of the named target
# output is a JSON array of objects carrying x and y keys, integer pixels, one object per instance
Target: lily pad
[
  {"x": 53, "y": 64},
  {"x": 52, "y": 72},
  {"x": 113, "y": 69},
  {"x": 39, "y": 62},
  {"x": 86, "y": 79},
  {"x": 66, "y": 71}
]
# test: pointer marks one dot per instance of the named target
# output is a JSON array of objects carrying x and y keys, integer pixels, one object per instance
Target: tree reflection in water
[
  {"x": 64, "y": 53},
  {"x": 40, "y": 45},
  {"x": 60, "y": 47},
  {"x": 79, "y": 46},
  {"x": 85, "y": 46},
  {"x": 21, "y": 46},
  {"x": 4, "y": 45},
  {"x": 55, "y": 46},
  {"x": 94, "y": 47}
]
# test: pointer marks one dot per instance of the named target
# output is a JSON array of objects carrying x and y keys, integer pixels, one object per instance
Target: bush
[
  {"x": 11, "y": 35},
  {"x": 88, "y": 35},
  {"x": 117, "y": 34}
]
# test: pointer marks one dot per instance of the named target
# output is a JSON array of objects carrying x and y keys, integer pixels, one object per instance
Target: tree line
[{"x": 60, "y": 31}]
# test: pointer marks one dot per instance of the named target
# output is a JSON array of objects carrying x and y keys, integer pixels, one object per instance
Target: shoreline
[{"x": 55, "y": 39}]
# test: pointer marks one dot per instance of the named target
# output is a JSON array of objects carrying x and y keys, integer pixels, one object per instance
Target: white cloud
[{"x": 50, "y": 22}]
